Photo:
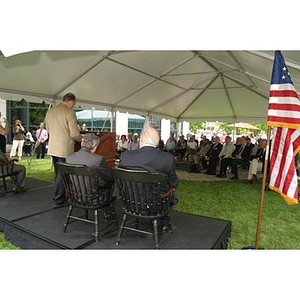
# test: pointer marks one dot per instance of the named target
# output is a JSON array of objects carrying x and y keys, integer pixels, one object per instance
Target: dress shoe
[
  {"x": 221, "y": 175},
  {"x": 250, "y": 181},
  {"x": 234, "y": 178},
  {"x": 23, "y": 189},
  {"x": 57, "y": 205},
  {"x": 20, "y": 190}
]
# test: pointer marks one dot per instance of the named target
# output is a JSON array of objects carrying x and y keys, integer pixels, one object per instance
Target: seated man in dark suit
[
  {"x": 152, "y": 160},
  {"x": 21, "y": 176},
  {"x": 225, "y": 156},
  {"x": 240, "y": 156},
  {"x": 86, "y": 156},
  {"x": 212, "y": 157}
]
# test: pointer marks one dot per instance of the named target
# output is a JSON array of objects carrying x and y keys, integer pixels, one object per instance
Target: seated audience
[
  {"x": 225, "y": 155},
  {"x": 170, "y": 145},
  {"x": 240, "y": 157},
  {"x": 211, "y": 158},
  {"x": 181, "y": 147},
  {"x": 257, "y": 161},
  {"x": 237, "y": 143},
  {"x": 21, "y": 176},
  {"x": 192, "y": 148},
  {"x": 204, "y": 147},
  {"x": 197, "y": 142},
  {"x": 83, "y": 128},
  {"x": 249, "y": 143},
  {"x": 134, "y": 144},
  {"x": 161, "y": 145},
  {"x": 122, "y": 144}
]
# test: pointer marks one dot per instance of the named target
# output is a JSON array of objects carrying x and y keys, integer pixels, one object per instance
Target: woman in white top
[{"x": 123, "y": 144}]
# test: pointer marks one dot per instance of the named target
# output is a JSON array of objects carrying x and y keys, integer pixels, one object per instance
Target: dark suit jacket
[
  {"x": 152, "y": 160},
  {"x": 214, "y": 150},
  {"x": 245, "y": 154},
  {"x": 92, "y": 160},
  {"x": 260, "y": 154}
]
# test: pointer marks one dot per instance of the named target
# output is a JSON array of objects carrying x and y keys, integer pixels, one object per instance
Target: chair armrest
[
  {"x": 170, "y": 191},
  {"x": 8, "y": 162}
]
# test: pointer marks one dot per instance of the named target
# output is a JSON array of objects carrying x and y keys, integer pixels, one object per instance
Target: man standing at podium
[{"x": 61, "y": 124}]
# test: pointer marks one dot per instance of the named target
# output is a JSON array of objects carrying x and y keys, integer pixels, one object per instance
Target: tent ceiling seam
[
  {"x": 155, "y": 78},
  {"x": 198, "y": 96},
  {"x": 184, "y": 92},
  {"x": 134, "y": 92},
  {"x": 39, "y": 95},
  {"x": 247, "y": 87},
  {"x": 271, "y": 58},
  {"x": 206, "y": 61},
  {"x": 145, "y": 73},
  {"x": 237, "y": 70},
  {"x": 92, "y": 66},
  {"x": 241, "y": 67},
  {"x": 228, "y": 97}
]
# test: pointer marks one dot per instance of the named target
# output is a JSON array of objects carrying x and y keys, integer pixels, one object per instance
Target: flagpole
[{"x": 263, "y": 185}]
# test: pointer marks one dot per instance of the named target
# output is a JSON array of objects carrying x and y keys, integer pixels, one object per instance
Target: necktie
[
  {"x": 241, "y": 149},
  {"x": 225, "y": 150}
]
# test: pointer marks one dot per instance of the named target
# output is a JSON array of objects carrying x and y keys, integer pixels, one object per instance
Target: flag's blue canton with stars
[{"x": 280, "y": 71}]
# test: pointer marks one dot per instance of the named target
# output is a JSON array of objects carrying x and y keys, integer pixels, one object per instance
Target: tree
[{"x": 195, "y": 126}]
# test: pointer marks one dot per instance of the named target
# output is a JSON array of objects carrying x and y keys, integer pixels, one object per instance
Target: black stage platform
[{"x": 30, "y": 222}]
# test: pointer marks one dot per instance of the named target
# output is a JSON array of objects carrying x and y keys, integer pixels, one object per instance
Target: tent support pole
[
  {"x": 111, "y": 120},
  {"x": 263, "y": 185}
]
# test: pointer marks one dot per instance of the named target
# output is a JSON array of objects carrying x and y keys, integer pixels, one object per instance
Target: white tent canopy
[{"x": 178, "y": 85}]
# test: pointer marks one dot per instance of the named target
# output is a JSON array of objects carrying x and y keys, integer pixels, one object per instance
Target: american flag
[{"x": 284, "y": 115}]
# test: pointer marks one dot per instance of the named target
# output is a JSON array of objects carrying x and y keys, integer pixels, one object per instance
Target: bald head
[{"x": 149, "y": 136}]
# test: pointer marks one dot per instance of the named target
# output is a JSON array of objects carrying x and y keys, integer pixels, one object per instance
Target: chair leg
[
  {"x": 4, "y": 183},
  {"x": 155, "y": 234},
  {"x": 113, "y": 213},
  {"x": 68, "y": 217},
  {"x": 136, "y": 224},
  {"x": 96, "y": 225},
  {"x": 121, "y": 229},
  {"x": 169, "y": 223}
]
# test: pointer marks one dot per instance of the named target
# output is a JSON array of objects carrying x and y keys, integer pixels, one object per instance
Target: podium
[{"x": 107, "y": 147}]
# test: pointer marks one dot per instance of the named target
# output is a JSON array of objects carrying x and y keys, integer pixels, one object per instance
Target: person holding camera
[{"x": 18, "y": 140}]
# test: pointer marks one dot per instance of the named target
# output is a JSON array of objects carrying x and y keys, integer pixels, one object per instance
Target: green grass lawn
[{"x": 234, "y": 201}]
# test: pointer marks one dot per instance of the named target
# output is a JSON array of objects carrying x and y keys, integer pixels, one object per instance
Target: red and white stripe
[
  {"x": 284, "y": 106},
  {"x": 283, "y": 176}
]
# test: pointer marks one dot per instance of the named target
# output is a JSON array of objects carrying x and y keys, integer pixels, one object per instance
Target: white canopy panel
[{"x": 178, "y": 85}]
